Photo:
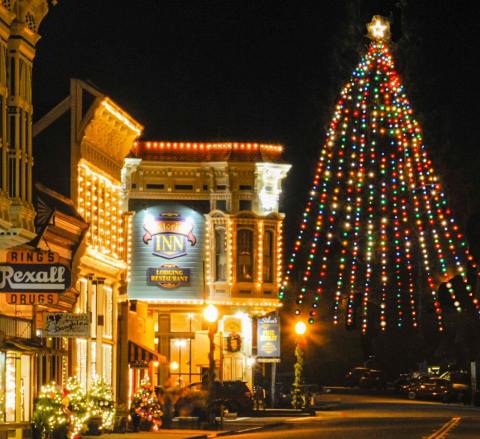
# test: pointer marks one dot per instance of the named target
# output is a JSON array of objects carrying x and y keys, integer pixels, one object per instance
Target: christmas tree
[
  {"x": 146, "y": 404},
  {"x": 377, "y": 236},
  {"x": 77, "y": 406}
]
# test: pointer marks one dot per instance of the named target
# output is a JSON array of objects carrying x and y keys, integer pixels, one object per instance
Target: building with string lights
[
  {"x": 204, "y": 228},
  {"x": 101, "y": 134}
]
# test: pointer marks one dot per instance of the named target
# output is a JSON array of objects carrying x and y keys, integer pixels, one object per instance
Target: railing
[{"x": 16, "y": 327}]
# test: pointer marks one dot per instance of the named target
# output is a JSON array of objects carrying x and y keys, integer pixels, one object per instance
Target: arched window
[
  {"x": 244, "y": 255},
  {"x": 220, "y": 255},
  {"x": 268, "y": 256}
]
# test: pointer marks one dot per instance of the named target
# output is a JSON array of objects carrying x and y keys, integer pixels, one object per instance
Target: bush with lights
[
  {"x": 101, "y": 404},
  {"x": 77, "y": 406},
  {"x": 50, "y": 414}
]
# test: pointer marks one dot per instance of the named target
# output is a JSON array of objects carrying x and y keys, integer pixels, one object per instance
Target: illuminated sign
[
  {"x": 167, "y": 250},
  {"x": 168, "y": 276},
  {"x": 268, "y": 339},
  {"x": 29, "y": 271},
  {"x": 169, "y": 234}
]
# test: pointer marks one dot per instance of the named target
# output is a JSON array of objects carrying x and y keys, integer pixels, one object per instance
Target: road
[{"x": 356, "y": 416}]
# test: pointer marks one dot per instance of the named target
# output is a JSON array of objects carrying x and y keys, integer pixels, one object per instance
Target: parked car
[
  {"x": 373, "y": 379},
  {"x": 429, "y": 388},
  {"x": 353, "y": 376},
  {"x": 459, "y": 385},
  {"x": 401, "y": 383},
  {"x": 235, "y": 395}
]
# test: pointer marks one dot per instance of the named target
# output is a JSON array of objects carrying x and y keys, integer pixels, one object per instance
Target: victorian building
[
  {"x": 101, "y": 135},
  {"x": 205, "y": 227},
  {"x": 22, "y": 353}
]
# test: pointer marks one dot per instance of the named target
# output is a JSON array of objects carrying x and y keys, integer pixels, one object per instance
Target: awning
[
  {"x": 140, "y": 356},
  {"x": 19, "y": 346}
]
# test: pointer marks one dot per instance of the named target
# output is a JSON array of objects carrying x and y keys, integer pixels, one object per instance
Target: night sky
[{"x": 268, "y": 71}]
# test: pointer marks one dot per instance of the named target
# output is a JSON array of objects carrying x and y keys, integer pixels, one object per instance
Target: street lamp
[
  {"x": 210, "y": 314},
  {"x": 298, "y": 398},
  {"x": 300, "y": 328}
]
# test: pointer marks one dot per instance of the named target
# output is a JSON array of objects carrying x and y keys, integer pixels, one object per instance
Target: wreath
[{"x": 234, "y": 343}]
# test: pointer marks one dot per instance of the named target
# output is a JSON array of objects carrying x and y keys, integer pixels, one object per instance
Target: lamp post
[
  {"x": 210, "y": 314},
  {"x": 298, "y": 398}
]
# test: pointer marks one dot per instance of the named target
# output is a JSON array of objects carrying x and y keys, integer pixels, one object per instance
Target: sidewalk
[
  {"x": 230, "y": 428},
  {"x": 161, "y": 434}
]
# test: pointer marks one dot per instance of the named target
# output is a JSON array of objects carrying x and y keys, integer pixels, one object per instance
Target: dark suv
[
  {"x": 373, "y": 379},
  {"x": 235, "y": 395},
  {"x": 354, "y": 376}
]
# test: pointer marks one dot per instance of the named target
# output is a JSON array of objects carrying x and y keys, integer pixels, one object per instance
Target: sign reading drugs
[
  {"x": 64, "y": 324},
  {"x": 33, "y": 271},
  {"x": 167, "y": 251},
  {"x": 268, "y": 339},
  {"x": 32, "y": 298}
]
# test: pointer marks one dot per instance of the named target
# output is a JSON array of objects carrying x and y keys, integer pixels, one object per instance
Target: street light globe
[
  {"x": 174, "y": 365},
  {"x": 210, "y": 313},
  {"x": 300, "y": 328}
]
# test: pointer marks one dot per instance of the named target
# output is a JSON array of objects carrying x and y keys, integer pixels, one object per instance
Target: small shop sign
[
  {"x": 268, "y": 339},
  {"x": 64, "y": 324},
  {"x": 33, "y": 271}
]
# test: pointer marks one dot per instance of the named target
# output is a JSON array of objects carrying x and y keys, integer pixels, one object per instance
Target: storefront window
[
  {"x": 93, "y": 310},
  {"x": 82, "y": 362},
  {"x": 25, "y": 387},
  {"x": 107, "y": 363},
  {"x": 244, "y": 255},
  {"x": 93, "y": 360},
  {"x": 268, "y": 256},
  {"x": 15, "y": 387},
  {"x": 2, "y": 386},
  {"x": 220, "y": 255},
  {"x": 185, "y": 322},
  {"x": 108, "y": 312},
  {"x": 10, "y": 386}
]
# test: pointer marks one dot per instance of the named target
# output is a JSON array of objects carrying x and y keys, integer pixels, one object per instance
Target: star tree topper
[{"x": 379, "y": 29}]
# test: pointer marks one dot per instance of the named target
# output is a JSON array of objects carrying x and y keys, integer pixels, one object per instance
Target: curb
[{"x": 243, "y": 431}]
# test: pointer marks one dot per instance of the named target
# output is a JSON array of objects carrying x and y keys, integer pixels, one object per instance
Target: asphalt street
[{"x": 359, "y": 416}]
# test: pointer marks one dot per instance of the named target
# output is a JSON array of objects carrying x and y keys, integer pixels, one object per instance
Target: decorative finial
[{"x": 379, "y": 28}]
